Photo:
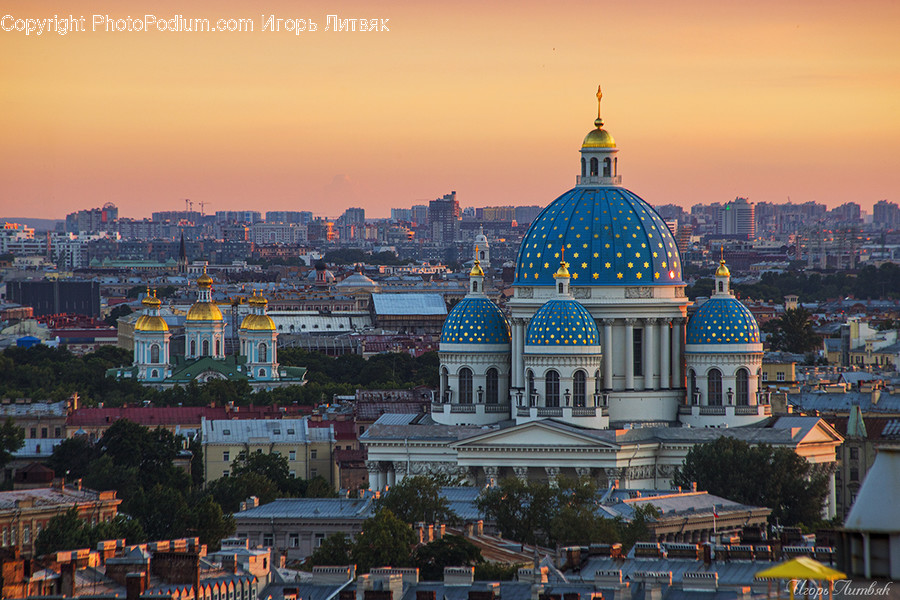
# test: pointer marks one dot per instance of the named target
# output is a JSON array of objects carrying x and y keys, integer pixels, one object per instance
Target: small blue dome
[
  {"x": 562, "y": 322},
  {"x": 475, "y": 321},
  {"x": 722, "y": 321},
  {"x": 611, "y": 237}
]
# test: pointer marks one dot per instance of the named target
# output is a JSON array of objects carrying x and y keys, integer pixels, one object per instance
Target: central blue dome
[
  {"x": 611, "y": 237},
  {"x": 722, "y": 321},
  {"x": 475, "y": 321},
  {"x": 562, "y": 322}
]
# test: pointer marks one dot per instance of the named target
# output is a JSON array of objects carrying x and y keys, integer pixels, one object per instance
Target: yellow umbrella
[{"x": 802, "y": 568}]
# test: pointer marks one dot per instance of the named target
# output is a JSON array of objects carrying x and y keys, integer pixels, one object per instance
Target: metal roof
[
  {"x": 263, "y": 430},
  {"x": 409, "y": 304},
  {"x": 356, "y": 509}
]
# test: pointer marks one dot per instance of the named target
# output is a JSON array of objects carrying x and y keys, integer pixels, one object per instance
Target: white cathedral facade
[{"x": 596, "y": 371}]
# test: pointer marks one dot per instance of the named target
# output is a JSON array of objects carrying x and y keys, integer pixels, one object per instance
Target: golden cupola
[
  {"x": 722, "y": 271},
  {"x": 150, "y": 320},
  {"x": 257, "y": 320},
  {"x": 204, "y": 309},
  {"x": 598, "y": 137}
]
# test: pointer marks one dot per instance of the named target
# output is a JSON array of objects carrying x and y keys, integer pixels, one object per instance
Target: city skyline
[{"x": 707, "y": 102}]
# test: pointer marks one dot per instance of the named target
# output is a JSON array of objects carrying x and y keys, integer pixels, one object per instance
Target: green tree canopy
[
  {"x": 416, "y": 499},
  {"x": 384, "y": 540},
  {"x": 334, "y": 550},
  {"x": 12, "y": 437},
  {"x": 761, "y": 475},
  {"x": 793, "y": 332},
  {"x": 449, "y": 550}
]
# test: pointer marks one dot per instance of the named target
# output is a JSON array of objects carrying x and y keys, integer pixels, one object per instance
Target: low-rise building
[
  {"x": 309, "y": 450},
  {"x": 25, "y": 513}
]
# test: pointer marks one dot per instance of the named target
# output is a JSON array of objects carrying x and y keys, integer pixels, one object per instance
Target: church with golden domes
[
  {"x": 595, "y": 370},
  {"x": 204, "y": 358}
]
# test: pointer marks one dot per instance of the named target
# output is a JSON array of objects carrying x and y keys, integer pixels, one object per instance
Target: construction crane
[
  {"x": 188, "y": 205},
  {"x": 203, "y": 203}
]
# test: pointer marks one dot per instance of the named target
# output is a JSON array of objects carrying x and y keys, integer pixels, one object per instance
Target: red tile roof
[{"x": 148, "y": 416}]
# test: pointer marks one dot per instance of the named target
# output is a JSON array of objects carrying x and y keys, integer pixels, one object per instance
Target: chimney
[
  {"x": 693, "y": 486},
  {"x": 430, "y": 533},
  {"x": 67, "y": 578},
  {"x": 459, "y": 575},
  {"x": 469, "y": 530},
  {"x": 134, "y": 586},
  {"x": 439, "y": 534},
  {"x": 479, "y": 528}
]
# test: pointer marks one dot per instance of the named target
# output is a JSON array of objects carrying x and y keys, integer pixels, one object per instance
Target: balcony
[{"x": 723, "y": 416}]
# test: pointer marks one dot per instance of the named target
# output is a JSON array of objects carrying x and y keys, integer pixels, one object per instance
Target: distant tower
[
  {"x": 483, "y": 254},
  {"x": 204, "y": 327},
  {"x": 258, "y": 341},
  {"x": 182, "y": 256},
  {"x": 151, "y": 342}
]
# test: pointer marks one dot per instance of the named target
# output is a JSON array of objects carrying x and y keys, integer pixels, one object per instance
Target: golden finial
[
  {"x": 599, "y": 121},
  {"x": 563, "y": 265},
  {"x": 722, "y": 271}
]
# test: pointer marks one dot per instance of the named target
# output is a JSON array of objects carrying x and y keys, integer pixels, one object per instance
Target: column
[
  {"x": 629, "y": 354},
  {"x": 521, "y": 473},
  {"x": 665, "y": 344},
  {"x": 649, "y": 352},
  {"x": 399, "y": 471},
  {"x": 374, "y": 470},
  {"x": 607, "y": 354},
  {"x": 391, "y": 476},
  {"x": 519, "y": 352},
  {"x": 516, "y": 376},
  {"x": 552, "y": 475},
  {"x": 677, "y": 337},
  {"x": 491, "y": 475}
]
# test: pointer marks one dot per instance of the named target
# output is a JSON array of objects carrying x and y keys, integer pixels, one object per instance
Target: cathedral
[
  {"x": 596, "y": 370},
  {"x": 204, "y": 341}
]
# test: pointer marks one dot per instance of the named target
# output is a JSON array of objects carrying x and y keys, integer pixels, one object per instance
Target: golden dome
[
  {"x": 722, "y": 271},
  {"x": 148, "y": 323},
  {"x": 598, "y": 138},
  {"x": 257, "y": 300},
  {"x": 563, "y": 271},
  {"x": 476, "y": 269},
  {"x": 258, "y": 323},
  {"x": 204, "y": 280},
  {"x": 151, "y": 301},
  {"x": 204, "y": 311}
]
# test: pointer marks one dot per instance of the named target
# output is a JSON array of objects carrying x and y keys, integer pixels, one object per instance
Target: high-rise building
[
  {"x": 401, "y": 214},
  {"x": 886, "y": 215},
  {"x": 443, "y": 218},
  {"x": 737, "y": 218},
  {"x": 420, "y": 214}
]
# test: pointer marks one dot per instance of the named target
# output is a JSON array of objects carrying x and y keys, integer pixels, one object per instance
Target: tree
[
  {"x": 449, "y": 550},
  {"x": 522, "y": 510},
  {"x": 210, "y": 523},
  {"x": 63, "y": 532},
  {"x": 384, "y": 540},
  {"x": 334, "y": 550},
  {"x": 418, "y": 499},
  {"x": 12, "y": 437},
  {"x": 777, "y": 478},
  {"x": 793, "y": 332},
  {"x": 72, "y": 456}
]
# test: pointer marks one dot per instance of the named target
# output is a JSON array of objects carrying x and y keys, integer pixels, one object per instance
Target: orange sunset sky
[{"x": 707, "y": 100}]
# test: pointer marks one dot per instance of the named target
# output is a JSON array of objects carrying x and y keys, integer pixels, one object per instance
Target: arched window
[
  {"x": 465, "y": 386},
  {"x": 154, "y": 373},
  {"x": 721, "y": 287},
  {"x": 474, "y": 286},
  {"x": 217, "y": 348},
  {"x": 616, "y": 166},
  {"x": 205, "y": 347},
  {"x": 583, "y": 167},
  {"x": 560, "y": 288},
  {"x": 193, "y": 348},
  {"x": 481, "y": 252},
  {"x": 263, "y": 352},
  {"x": 551, "y": 385},
  {"x": 445, "y": 382},
  {"x": 607, "y": 167},
  {"x": 530, "y": 387},
  {"x": 742, "y": 381},
  {"x": 595, "y": 167},
  {"x": 714, "y": 387},
  {"x": 492, "y": 385},
  {"x": 154, "y": 353},
  {"x": 692, "y": 382},
  {"x": 262, "y": 372},
  {"x": 579, "y": 389}
]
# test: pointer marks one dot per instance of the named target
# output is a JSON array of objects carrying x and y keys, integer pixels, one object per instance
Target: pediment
[{"x": 545, "y": 433}]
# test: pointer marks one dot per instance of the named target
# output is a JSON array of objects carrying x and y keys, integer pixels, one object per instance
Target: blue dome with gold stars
[
  {"x": 722, "y": 321},
  {"x": 475, "y": 321},
  {"x": 611, "y": 237},
  {"x": 562, "y": 322}
]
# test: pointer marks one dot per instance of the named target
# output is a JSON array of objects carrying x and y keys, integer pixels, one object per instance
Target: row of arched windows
[
  {"x": 551, "y": 387},
  {"x": 714, "y": 393},
  {"x": 466, "y": 385},
  {"x": 608, "y": 167}
]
